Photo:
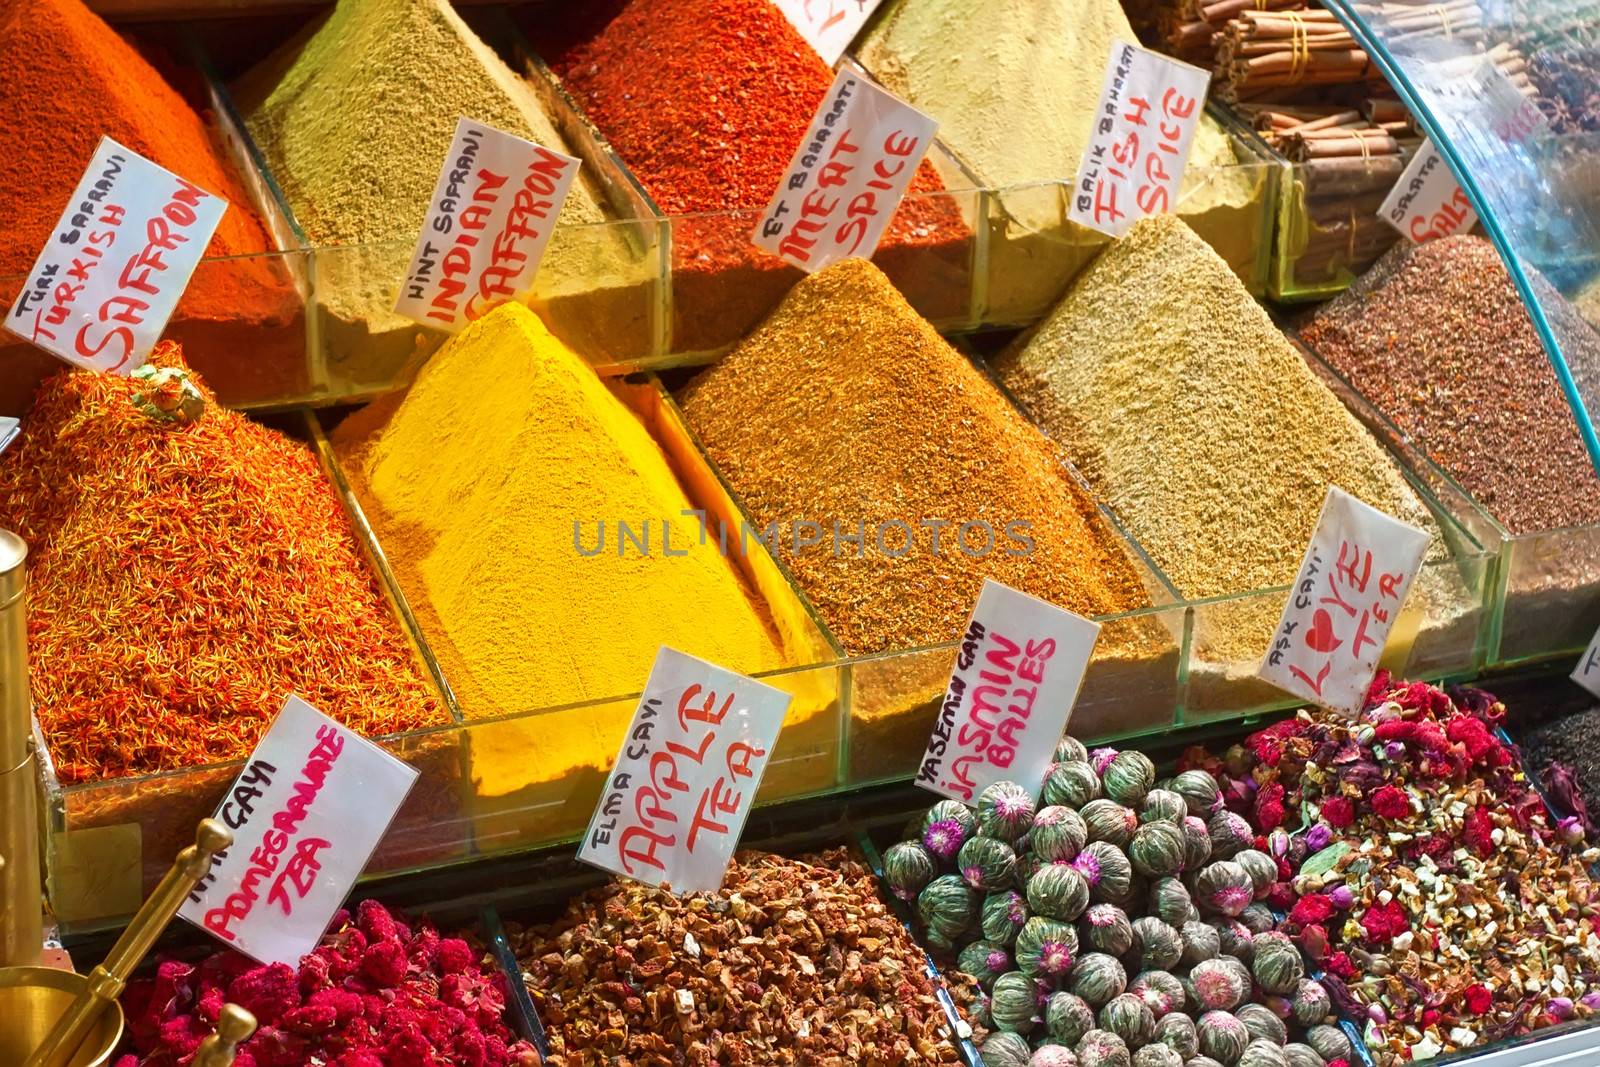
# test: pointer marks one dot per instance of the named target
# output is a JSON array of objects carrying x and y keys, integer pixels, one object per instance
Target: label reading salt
[
  {"x": 106, "y": 282},
  {"x": 828, "y": 25},
  {"x": 676, "y": 800},
  {"x": 1427, "y": 202},
  {"x": 1139, "y": 144},
  {"x": 1015, "y": 679},
  {"x": 493, "y": 210},
  {"x": 1352, "y": 584},
  {"x": 847, "y": 176},
  {"x": 1587, "y": 672},
  {"x": 306, "y": 813}
]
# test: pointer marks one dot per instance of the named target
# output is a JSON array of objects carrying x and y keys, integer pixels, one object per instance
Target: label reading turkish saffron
[
  {"x": 847, "y": 176},
  {"x": 676, "y": 800},
  {"x": 309, "y": 807},
  {"x": 1427, "y": 202},
  {"x": 828, "y": 25},
  {"x": 1011, "y": 691},
  {"x": 1352, "y": 584},
  {"x": 1587, "y": 672},
  {"x": 493, "y": 210},
  {"x": 1139, "y": 143},
  {"x": 121, "y": 255}
]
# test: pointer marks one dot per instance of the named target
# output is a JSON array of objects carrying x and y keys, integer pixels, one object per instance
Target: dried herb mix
[{"x": 184, "y": 579}]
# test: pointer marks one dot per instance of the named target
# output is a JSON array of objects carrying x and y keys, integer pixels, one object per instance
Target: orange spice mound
[{"x": 184, "y": 579}]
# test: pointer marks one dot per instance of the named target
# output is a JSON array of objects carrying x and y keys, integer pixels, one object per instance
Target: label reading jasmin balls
[
  {"x": 310, "y": 806},
  {"x": 493, "y": 210},
  {"x": 1015, "y": 679},
  {"x": 676, "y": 800},
  {"x": 1587, "y": 672},
  {"x": 828, "y": 25},
  {"x": 1427, "y": 202},
  {"x": 1352, "y": 584},
  {"x": 121, "y": 255},
  {"x": 1139, "y": 144},
  {"x": 847, "y": 176}
]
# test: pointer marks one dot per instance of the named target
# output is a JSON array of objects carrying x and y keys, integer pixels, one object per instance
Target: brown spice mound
[
  {"x": 183, "y": 580},
  {"x": 793, "y": 960},
  {"x": 847, "y": 407},
  {"x": 1437, "y": 338}
]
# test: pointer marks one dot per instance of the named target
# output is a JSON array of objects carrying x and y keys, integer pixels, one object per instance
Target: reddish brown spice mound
[{"x": 183, "y": 580}]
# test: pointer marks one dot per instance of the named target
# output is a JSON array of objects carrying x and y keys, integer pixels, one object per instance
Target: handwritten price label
[
  {"x": 678, "y": 796},
  {"x": 1138, "y": 147},
  {"x": 106, "y": 282},
  {"x": 828, "y": 25},
  {"x": 847, "y": 177},
  {"x": 1015, "y": 680},
  {"x": 1352, "y": 583},
  {"x": 312, "y": 803},
  {"x": 1587, "y": 672},
  {"x": 493, "y": 210},
  {"x": 1427, "y": 202}
]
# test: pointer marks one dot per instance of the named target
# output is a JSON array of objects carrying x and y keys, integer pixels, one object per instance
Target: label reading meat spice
[
  {"x": 677, "y": 797},
  {"x": 1587, "y": 672},
  {"x": 847, "y": 176},
  {"x": 121, "y": 255},
  {"x": 1427, "y": 202},
  {"x": 1012, "y": 688},
  {"x": 310, "y": 806},
  {"x": 1352, "y": 584},
  {"x": 1139, "y": 144},
  {"x": 828, "y": 25},
  {"x": 493, "y": 210}
]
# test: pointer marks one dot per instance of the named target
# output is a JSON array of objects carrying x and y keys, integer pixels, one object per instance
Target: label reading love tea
[
  {"x": 310, "y": 806},
  {"x": 828, "y": 25},
  {"x": 1015, "y": 679},
  {"x": 1352, "y": 583},
  {"x": 1139, "y": 144},
  {"x": 847, "y": 177},
  {"x": 1427, "y": 202},
  {"x": 676, "y": 800},
  {"x": 121, "y": 255},
  {"x": 493, "y": 210}
]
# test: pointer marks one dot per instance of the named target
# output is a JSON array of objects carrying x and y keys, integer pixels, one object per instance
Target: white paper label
[
  {"x": 10, "y": 429},
  {"x": 1427, "y": 202},
  {"x": 1587, "y": 672},
  {"x": 1138, "y": 146},
  {"x": 676, "y": 800},
  {"x": 106, "y": 282},
  {"x": 1015, "y": 679},
  {"x": 310, "y": 806},
  {"x": 847, "y": 177},
  {"x": 828, "y": 25},
  {"x": 1352, "y": 583},
  {"x": 493, "y": 209}
]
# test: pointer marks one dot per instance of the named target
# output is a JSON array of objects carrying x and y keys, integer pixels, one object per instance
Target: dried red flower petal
[
  {"x": 1391, "y": 803},
  {"x": 1312, "y": 908},
  {"x": 1385, "y": 922},
  {"x": 1477, "y": 829},
  {"x": 1339, "y": 964},
  {"x": 1478, "y": 998},
  {"x": 1339, "y": 812},
  {"x": 1269, "y": 807}
]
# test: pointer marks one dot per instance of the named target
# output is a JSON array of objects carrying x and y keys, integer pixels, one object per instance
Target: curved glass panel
[{"x": 1509, "y": 90}]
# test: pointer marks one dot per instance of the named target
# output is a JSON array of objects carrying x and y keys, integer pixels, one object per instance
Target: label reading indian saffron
[
  {"x": 1427, "y": 202},
  {"x": 828, "y": 25},
  {"x": 1016, "y": 677},
  {"x": 493, "y": 209},
  {"x": 121, "y": 255},
  {"x": 309, "y": 807},
  {"x": 675, "y": 803},
  {"x": 1150, "y": 107},
  {"x": 1352, "y": 584},
  {"x": 847, "y": 176}
]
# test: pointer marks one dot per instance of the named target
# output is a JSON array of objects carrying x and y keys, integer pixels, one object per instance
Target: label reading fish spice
[
  {"x": 1150, "y": 107},
  {"x": 677, "y": 797},
  {"x": 847, "y": 176},
  {"x": 493, "y": 209},
  {"x": 1587, "y": 672},
  {"x": 828, "y": 25},
  {"x": 1011, "y": 691},
  {"x": 310, "y": 806},
  {"x": 121, "y": 255},
  {"x": 1352, "y": 583},
  {"x": 1427, "y": 202}
]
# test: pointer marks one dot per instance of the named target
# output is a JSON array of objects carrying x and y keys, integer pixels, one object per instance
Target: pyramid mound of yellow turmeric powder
[{"x": 486, "y": 483}]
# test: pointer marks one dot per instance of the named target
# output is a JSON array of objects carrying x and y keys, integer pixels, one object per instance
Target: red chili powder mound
[{"x": 66, "y": 79}]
